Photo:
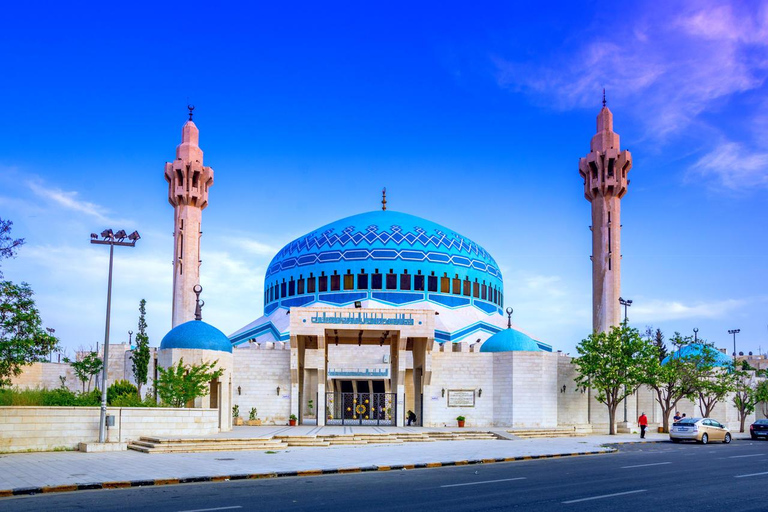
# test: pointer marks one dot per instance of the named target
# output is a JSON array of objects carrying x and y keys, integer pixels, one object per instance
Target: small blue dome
[
  {"x": 696, "y": 350},
  {"x": 509, "y": 340},
  {"x": 196, "y": 334}
]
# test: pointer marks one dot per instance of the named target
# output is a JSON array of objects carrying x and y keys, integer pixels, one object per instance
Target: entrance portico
[{"x": 342, "y": 343}]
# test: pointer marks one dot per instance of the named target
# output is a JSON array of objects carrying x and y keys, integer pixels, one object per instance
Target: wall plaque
[{"x": 461, "y": 398}]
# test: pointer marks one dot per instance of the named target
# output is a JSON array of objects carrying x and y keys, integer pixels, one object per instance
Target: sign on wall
[{"x": 461, "y": 398}]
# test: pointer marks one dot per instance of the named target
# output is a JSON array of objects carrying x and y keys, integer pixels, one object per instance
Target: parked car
[
  {"x": 759, "y": 429},
  {"x": 702, "y": 430}
]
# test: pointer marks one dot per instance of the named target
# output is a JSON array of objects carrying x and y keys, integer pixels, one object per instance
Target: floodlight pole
[
  {"x": 109, "y": 239},
  {"x": 626, "y": 303},
  {"x": 734, "y": 332}
]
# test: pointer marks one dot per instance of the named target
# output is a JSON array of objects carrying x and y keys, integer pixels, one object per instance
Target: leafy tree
[
  {"x": 181, "y": 383},
  {"x": 23, "y": 340},
  {"x": 140, "y": 356},
  {"x": 744, "y": 396},
  {"x": 673, "y": 380},
  {"x": 657, "y": 338},
  {"x": 761, "y": 397},
  {"x": 88, "y": 365},
  {"x": 614, "y": 364},
  {"x": 118, "y": 389},
  {"x": 746, "y": 366},
  {"x": 8, "y": 246}
]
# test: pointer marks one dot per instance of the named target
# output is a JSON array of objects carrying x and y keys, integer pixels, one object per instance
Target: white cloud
[
  {"x": 663, "y": 310},
  {"x": 71, "y": 201},
  {"x": 255, "y": 247},
  {"x": 675, "y": 64},
  {"x": 734, "y": 166}
]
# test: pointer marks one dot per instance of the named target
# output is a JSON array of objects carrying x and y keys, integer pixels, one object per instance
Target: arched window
[
  {"x": 300, "y": 285},
  {"x": 376, "y": 280},
  {"x": 391, "y": 280},
  {"x": 405, "y": 281},
  {"x": 311, "y": 283},
  {"x": 418, "y": 282},
  {"x": 445, "y": 284},
  {"x": 335, "y": 282},
  {"x": 322, "y": 283},
  {"x": 467, "y": 287},
  {"x": 432, "y": 283},
  {"x": 476, "y": 289}
]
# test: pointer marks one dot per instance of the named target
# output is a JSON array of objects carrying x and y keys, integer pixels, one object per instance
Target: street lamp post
[
  {"x": 626, "y": 303},
  {"x": 695, "y": 334},
  {"x": 111, "y": 239},
  {"x": 734, "y": 332}
]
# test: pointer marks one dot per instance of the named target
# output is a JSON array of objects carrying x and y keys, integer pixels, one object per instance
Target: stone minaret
[
  {"x": 604, "y": 171},
  {"x": 188, "y": 184}
]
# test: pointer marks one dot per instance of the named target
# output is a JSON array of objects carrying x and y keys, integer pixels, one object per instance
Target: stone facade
[{"x": 51, "y": 428}]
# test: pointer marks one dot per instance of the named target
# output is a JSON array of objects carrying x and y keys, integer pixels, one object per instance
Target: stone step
[
  {"x": 338, "y": 442},
  {"x": 291, "y": 442},
  {"x": 193, "y": 448},
  {"x": 167, "y": 440}
]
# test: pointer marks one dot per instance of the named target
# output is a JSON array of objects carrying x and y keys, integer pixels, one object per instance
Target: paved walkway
[{"x": 72, "y": 468}]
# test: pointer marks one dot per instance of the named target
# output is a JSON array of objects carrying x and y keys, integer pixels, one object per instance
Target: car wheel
[
  {"x": 704, "y": 439},
  {"x": 754, "y": 438},
  {"x": 727, "y": 438},
  {"x": 674, "y": 440}
]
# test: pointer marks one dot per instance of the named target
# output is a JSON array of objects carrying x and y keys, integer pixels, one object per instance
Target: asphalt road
[{"x": 639, "y": 477}]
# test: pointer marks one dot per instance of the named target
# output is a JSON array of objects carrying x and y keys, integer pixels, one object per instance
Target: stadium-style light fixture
[
  {"x": 111, "y": 239},
  {"x": 734, "y": 332}
]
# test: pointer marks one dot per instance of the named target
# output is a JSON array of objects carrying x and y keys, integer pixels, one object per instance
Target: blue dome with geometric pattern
[
  {"x": 196, "y": 334},
  {"x": 361, "y": 256},
  {"x": 696, "y": 350},
  {"x": 509, "y": 340}
]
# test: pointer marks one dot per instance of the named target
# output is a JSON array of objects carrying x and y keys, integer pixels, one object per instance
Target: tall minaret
[
  {"x": 188, "y": 184},
  {"x": 604, "y": 171}
]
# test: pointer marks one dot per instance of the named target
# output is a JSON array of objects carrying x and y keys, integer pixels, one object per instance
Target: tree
[
  {"x": 614, "y": 364},
  {"x": 23, "y": 340},
  {"x": 744, "y": 397},
  {"x": 672, "y": 380},
  {"x": 86, "y": 366},
  {"x": 8, "y": 246},
  {"x": 761, "y": 397},
  {"x": 140, "y": 356},
  {"x": 181, "y": 383}
]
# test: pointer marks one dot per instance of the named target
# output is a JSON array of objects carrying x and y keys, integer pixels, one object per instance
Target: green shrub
[{"x": 119, "y": 388}]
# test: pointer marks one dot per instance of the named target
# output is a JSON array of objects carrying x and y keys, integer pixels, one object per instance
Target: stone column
[{"x": 322, "y": 376}]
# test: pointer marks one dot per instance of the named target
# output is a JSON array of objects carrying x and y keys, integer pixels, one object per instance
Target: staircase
[
  {"x": 547, "y": 432},
  {"x": 280, "y": 442}
]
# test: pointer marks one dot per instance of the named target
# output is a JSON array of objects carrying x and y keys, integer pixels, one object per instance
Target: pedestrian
[
  {"x": 677, "y": 417},
  {"x": 643, "y": 421},
  {"x": 411, "y": 418}
]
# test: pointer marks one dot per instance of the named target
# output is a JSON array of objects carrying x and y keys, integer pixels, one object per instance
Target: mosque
[
  {"x": 383, "y": 318},
  {"x": 376, "y": 318}
]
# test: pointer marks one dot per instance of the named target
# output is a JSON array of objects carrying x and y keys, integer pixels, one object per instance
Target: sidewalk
[{"x": 28, "y": 473}]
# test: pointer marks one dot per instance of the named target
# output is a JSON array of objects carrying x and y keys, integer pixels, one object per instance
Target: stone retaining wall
[{"x": 51, "y": 428}]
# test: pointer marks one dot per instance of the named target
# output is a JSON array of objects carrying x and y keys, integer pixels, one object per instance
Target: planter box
[
  {"x": 238, "y": 422},
  {"x": 254, "y": 423}
]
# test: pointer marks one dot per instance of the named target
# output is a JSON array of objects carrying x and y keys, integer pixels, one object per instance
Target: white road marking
[
  {"x": 485, "y": 482},
  {"x": 605, "y": 496},
  {"x": 645, "y": 465},
  {"x": 211, "y": 509},
  {"x": 750, "y": 455},
  {"x": 751, "y": 474}
]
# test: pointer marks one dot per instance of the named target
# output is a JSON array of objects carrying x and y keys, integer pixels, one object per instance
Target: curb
[{"x": 122, "y": 484}]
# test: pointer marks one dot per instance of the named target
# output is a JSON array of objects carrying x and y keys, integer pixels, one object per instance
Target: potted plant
[
  {"x": 238, "y": 421},
  {"x": 311, "y": 407},
  {"x": 253, "y": 421},
  {"x": 461, "y": 420},
  {"x": 292, "y": 420}
]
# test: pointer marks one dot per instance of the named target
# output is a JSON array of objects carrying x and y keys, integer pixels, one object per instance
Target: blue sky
[{"x": 471, "y": 116}]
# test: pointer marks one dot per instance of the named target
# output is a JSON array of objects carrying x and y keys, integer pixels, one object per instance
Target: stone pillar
[
  {"x": 604, "y": 171},
  {"x": 322, "y": 376},
  {"x": 297, "y": 368},
  {"x": 188, "y": 184}
]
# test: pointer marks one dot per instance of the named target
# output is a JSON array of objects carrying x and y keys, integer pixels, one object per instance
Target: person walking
[{"x": 643, "y": 421}]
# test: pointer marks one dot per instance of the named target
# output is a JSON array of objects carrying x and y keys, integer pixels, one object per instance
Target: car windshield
[
  {"x": 687, "y": 421},
  {"x": 761, "y": 422}
]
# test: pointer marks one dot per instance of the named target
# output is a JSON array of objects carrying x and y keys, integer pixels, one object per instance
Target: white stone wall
[
  {"x": 258, "y": 371},
  {"x": 572, "y": 402},
  {"x": 460, "y": 371},
  {"x": 525, "y": 389},
  {"x": 50, "y": 428},
  {"x": 46, "y": 375}
]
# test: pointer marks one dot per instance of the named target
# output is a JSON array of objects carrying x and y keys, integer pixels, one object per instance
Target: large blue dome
[
  {"x": 196, "y": 334},
  {"x": 696, "y": 350},
  {"x": 382, "y": 252},
  {"x": 509, "y": 340}
]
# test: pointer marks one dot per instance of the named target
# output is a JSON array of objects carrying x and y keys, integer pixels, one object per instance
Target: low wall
[{"x": 51, "y": 428}]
